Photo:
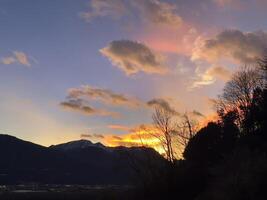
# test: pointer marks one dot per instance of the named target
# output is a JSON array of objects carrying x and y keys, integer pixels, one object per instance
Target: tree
[
  {"x": 262, "y": 63},
  {"x": 204, "y": 147},
  {"x": 238, "y": 94},
  {"x": 163, "y": 120},
  {"x": 174, "y": 131},
  {"x": 186, "y": 129}
]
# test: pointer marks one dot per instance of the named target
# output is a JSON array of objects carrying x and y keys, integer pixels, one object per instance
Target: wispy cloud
[
  {"x": 8, "y": 60},
  {"x": 104, "y": 8},
  {"x": 117, "y": 137},
  {"x": 86, "y": 135},
  {"x": 22, "y": 58},
  {"x": 81, "y": 106},
  {"x": 162, "y": 103},
  {"x": 104, "y": 95},
  {"x": 158, "y": 12},
  {"x": 93, "y": 136},
  {"x": 80, "y": 100},
  {"x": 18, "y": 57},
  {"x": 118, "y": 127},
  {"x": 154, "y": 12},
  {"x": 133, "y": 57},
  {"x": 211, "y": 75},
  {"x": 197, "y": 113},
  {"x": 225, "y": 2}
]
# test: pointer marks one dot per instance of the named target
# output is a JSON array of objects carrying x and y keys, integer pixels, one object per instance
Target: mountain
[
  {"x": 79, "y": 144},
  {"x": 76, "y": 162}
]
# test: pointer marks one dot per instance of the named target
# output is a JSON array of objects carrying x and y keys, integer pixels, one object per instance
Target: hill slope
[{"x": 76, "y": 162}]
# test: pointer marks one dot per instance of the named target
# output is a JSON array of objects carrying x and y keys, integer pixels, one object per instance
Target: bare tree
[
  {"x": 186, "y": 129},
  {"x": 163, "y": 120},
  {"x": 174, "y": 131},
  {"x": 238, "y": 92},
  {"x": 263, "y": 67}
]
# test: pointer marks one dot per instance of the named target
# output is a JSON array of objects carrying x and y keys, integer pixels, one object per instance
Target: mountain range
[{"x": 75, "y": 162}]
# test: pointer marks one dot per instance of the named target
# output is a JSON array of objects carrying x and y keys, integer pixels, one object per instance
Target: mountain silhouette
[{"x": 76, "y": 162}]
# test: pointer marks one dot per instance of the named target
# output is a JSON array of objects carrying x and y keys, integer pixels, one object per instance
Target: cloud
[
  {"x": 104, "y": 8},
  {"x": 104, "y": 95},
  {"x": 100, "y": 136},
  {"x": 141, "y": 135},
  {"x": 78, "y": 105},
  {"x": 162, "y": 103},
  {"x": 211, "y": 75},
  {"x": 116, "y": 137},
  {"x": 22, "y": 58},
  {"x": 118, "y": 127},
  {"x": 225, "y": 2},
  {"x": 158, "y": 12},
  {"x": 197, "y": 113},
  {"x": 78, "y": 99},
  {"x": 244, "y": 47},
  {"x": 133, "y": 57},
  {"x": 152, "y": 11},
  {"x": 17, "y": 57},
  {"x": 8, "y": 60},
  {"x": 95, "y": 135},
  {"x": 220, "y": 73},
  {"x": 86, "y": 135},
  {"x": 239, "y": 5},
  {"x": 137, "y": 136}
]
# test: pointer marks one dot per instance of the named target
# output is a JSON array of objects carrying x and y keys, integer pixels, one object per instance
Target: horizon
[
  {"x": 96, "y": 69},
  {"x": 1, "y": 134}
]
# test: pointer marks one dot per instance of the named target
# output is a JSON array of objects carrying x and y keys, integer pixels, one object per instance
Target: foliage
[{"x": 227, "y": 159}]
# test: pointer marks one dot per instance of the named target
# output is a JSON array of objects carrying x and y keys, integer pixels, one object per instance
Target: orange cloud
[
  {"x": 149, "y": 136},
  {"x": 118, "y": 127},
  {"x": 143, "y": 135}
]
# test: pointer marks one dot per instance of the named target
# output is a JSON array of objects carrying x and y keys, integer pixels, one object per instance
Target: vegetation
[{"x": 225, "y": 159}]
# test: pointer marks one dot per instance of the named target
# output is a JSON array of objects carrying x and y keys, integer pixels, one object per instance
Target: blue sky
[{"x": 117, "y": 55}]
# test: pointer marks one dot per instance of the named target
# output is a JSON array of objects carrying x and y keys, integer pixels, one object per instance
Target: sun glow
[
  {"x": 147, "y": 136},
  {"x": 144, "y": 135}
]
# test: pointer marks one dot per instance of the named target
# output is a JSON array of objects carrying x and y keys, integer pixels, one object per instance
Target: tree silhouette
[
  {"x": 204, "y": 147},
  {"x": 238, "y": 95},
  {"x": 174, "y": 132},
  {"x": 225, "y": 159}
]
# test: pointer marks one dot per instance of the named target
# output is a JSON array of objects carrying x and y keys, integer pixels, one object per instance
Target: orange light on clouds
[
  {"x": 118, "y": 127},
  {"x": 210, "y": 118},
  {"x": 171, "y": 39},
  {"x": 143, "y": 135},
  {"x": 147, "y": 135}
]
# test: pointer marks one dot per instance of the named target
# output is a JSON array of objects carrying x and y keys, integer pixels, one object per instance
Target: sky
[{"x": 95, "y": 69}]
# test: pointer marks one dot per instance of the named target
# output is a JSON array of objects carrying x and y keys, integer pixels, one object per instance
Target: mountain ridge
[
  {"x": 77, "y": 144},
  {"x": 74, "y": 162}
]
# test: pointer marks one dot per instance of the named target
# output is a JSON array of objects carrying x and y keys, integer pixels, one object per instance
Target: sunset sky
[{"x": 94, "y": 69}]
